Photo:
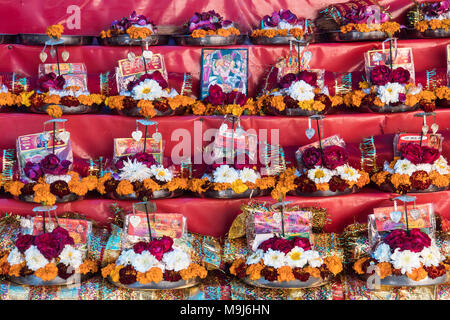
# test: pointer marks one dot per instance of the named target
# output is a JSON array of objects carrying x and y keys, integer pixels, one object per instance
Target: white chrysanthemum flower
[
  {"x": 424, "y": 167},
  {"x": 126, "y": 257},
  {"x": 15, "y": 257},
  {"x": 382, "y": 253},
  {"x": 296, "y": 258},
  {"x": 431, "y": 256},
  {"x": 255, "y": 257},
  {"x": 248, "y": 175},
  {"x": 404, "y": 167},
  {"x": 71, "y": 256},
  {"x": 286, "y": 25},
  {"x": 142, "y": 262},
  {"x": 320, "y": 174},
  {"x": 441, "y": 166},
  {"x": 176, "y": 260},
  {"x": 147, "y": 90},
  {"x": 225, "y": 174},
  {"x": 389, "y": 93},
  {"x": 275, "y": 259},
  {"x": 314, "y": 259},
  {"x": 161, "y": 174},
  {"x": 134, "y": 170},
  {"x": 35, "y": 259},
  {"x": 348, "y": 173},
  {"x": 405, "y": 260},
  {"x": 301, "y": 91},
  {"x": 52, "y": 178}
]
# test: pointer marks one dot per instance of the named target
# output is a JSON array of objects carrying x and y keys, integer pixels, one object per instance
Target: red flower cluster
[
  {"x": 49, "y": 165},
  {"x": 308, "y": 76},
  {"x": 415, "y": 241},
  {"x": 217, "y": 97},
  {"x": 333, "y": 157},
  {"x": 49, "y": 244},
  {"x": 142, "y": 157},
  {"x": 156, "y": 247},
  {"x": 50, "y": 81},
  {"x": 156, "y": 75},
  {"x": 284, "y": 245},
  {"x": 419, "y": 154},
  {"x": 381, "y": 75}
]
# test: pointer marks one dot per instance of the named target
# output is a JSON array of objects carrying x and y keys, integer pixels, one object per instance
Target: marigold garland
[
  {"x": 55, "y": 31},
  {"x": 138, "y": 33},
  {"x": 54, "y": 111},
  {"x": 387, "y": 27},
  {"x": 270, "y": 33},
  {"x": 432, "y": 24}
]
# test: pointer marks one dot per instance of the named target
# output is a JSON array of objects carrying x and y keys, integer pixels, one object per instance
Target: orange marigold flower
[
  {"x": 115, "y": 102},
  {"x": 323, "y": 186},
  {"x": 363, "y": 179},
  {"x": 440, "y": 181},
  {"x": 427, "y": 96},
  {"x": 101, "y": 183},
  {"x": 442, "y": 93},
  {"x": 124, "y": 188},
  {"x": 154, "y": 275},
  {"x": 334, "y": 264},
  {"x": 400, "y": 179},
  {"x": 417, "y": 274},
  {"x": 198, "y": 33},
  {"x": 411, "y": 100},
  {"x": 254, "y": 271},
  {"x": 234, "y": 31},
  {"x": 223, "y": 32},
  {"x": 285, "y": 274},
  {"x": 14, "y": 187},
  {"x": 146, "y": 109},
  {"x": 106, "y": 271},
  {"x": 114, "y": 274},
  {"x": 90, "y": 182},
  {"x": 385, "y": 269},
  {"x": 88, "y": 266},
  {"x": 236, "y": 263},
  {"x": 52, "y": 99},
  {"x": 54, "y": 111},
  {"x": 55, "y": 31},
  {"x": 138, "y": 33},
  {"x": 14, "y": 270},
  {"x": 4, "y": 265},
  {"x": 314, "y": 272},
  {"x": 77, "y": 187},
  {"x": 358, "y": 265},
  {"x": 47, "y": 273}
]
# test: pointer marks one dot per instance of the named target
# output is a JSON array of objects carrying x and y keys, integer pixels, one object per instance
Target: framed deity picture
[{"x": 227, "y": 68}]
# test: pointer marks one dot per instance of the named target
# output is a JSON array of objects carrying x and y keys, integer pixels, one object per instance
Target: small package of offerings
[
  {"x": 429, "y": 19},
  {"x": 50, "y": 251},
  {"x": 45, "y": 163},
  {"x": 139, "y": 170},
  {"x": 282, "y": 252},
  {"x": 155, "y": 252},
  {"x": 418, "y": 165},
  {"x": 281, "y": 27},
  {"x": 234, "y": 171},
  {"x": 209, "y": 29},
  {"x": 403, "y": 250}
]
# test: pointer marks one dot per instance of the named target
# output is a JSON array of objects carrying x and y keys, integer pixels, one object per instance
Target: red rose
[
  {"x": 63, "y": 236},
  {"x": 430, "y": 155},
  {"x": 334, "y": 156},
  {"x": 282, "y": 245},
  {"x": 167, "y": 243},
  {"x": 412, "y": 152},
  {"x": 24, "y": 241},
  {"x": 301, "y": 243},
  {"x": 381, "y": 75},
  {"x": 401, "y": 75},
  {"x": 156, "y": 248},
  {"x": 309, "y": 77},
  {"x": 287, "y": 80},
  {"x": 49, "y": 245},
  {"x": 267, "y": 244},
  {"x": 236, "y": 97},
  {"x": 144, "y": 158},
  {"x": 140, "y": 247},
  {"x": 216, "y": 96},
  {"x": 312, "y": 157}
]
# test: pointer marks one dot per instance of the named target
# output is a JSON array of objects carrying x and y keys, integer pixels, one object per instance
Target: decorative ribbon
[
  {"x": 368, "y": 154},
  {"x": 186, "y": 88},
  {"x": 8, "y": 162}
]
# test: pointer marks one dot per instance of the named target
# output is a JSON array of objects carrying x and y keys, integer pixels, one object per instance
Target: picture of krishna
[{"x": 227, "y": 68}]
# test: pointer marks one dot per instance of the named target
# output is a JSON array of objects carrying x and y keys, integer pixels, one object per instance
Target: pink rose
[
  {"x": 156, "y": 248},
  {"x": 167, "y": 243}
]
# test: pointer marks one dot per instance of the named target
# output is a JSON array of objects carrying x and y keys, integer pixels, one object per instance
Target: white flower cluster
[
  {"x": 407, "y": 260},
  {"x": 34, "y": 259},
  {"x": 321, "y": 174},
  {"x": 134, "y": 170},
  {"x": 50, "y": 178},
  {"x": 64, "y": 93},
  {"x": 390, "y": 92},
  {"x": 175, "y": 260},
  {"x": 407, "y": 167},
  {"x": 148, "y": 90},
  {"x": 301, "y": 91},
  {"x": 296, "y": 258},
  {"x": 227, "y": 174}
]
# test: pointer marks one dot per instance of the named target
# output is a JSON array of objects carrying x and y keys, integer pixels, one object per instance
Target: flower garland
[
  {"x": 296, "y": 91},
  {"x": 153, "y": 261},
  {"x": 405, "y": 253},
  {"x": 139, "y": 175},
  {"x": 282, "y": 23},
  {"x": 47, "y": 256},
  {"x": 433, "y": 24},
  {"x": 419, "y": 168},
  {"x": 211, "y": 23},
  {"x": 136, "y": 26},
  {"x": 49, "y": 180},
  {"x": 388, "y": 27},
  {"x": 282, "y": 260},
  {"x": 8, "y": 99}
]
